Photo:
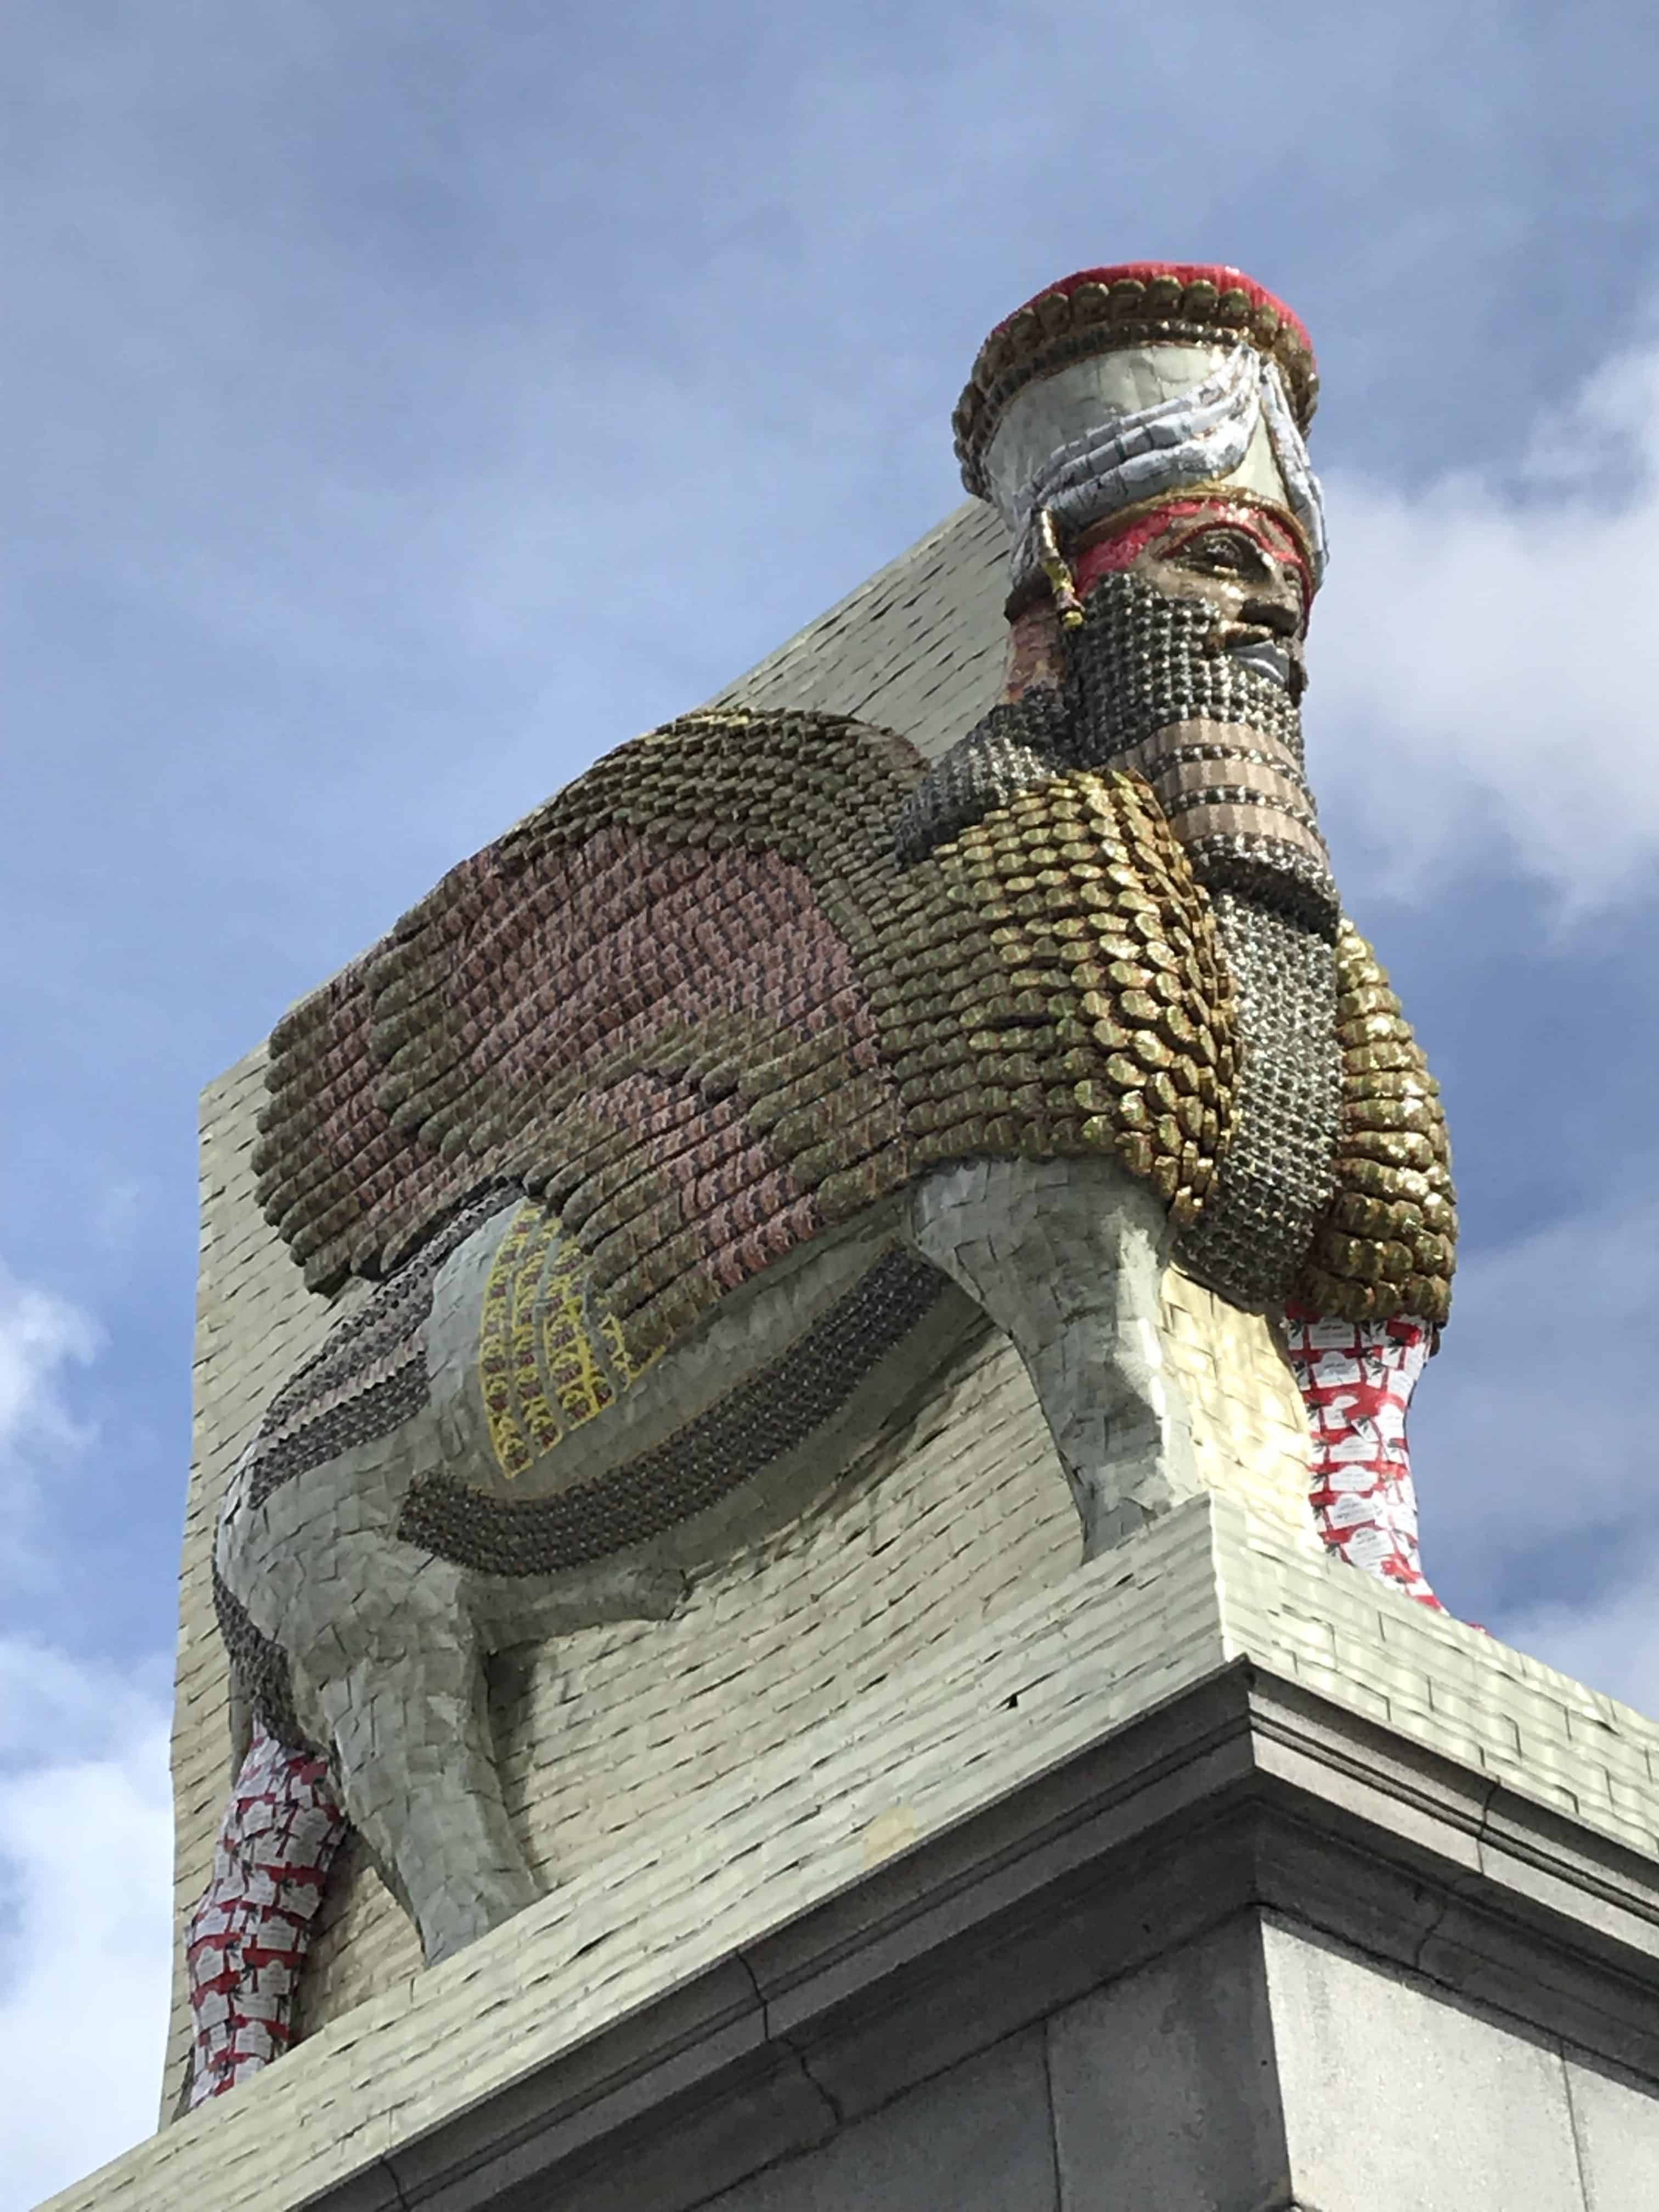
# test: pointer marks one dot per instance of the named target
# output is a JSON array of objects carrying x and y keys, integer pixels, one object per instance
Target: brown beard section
[
  {"x": 1236, "y": 798},
  {"x": 1220, "y": 743}
]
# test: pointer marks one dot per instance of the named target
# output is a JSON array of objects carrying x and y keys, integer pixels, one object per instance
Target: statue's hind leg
[
  {"x": 408, "y": 1724},
  {"x": 1067, "y": 1256},
  {"x": 395, "y": 1683},
  {"x": 245, "y": 1942}
]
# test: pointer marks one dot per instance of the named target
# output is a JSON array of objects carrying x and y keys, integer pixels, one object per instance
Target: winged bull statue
[{"x": 685, "y": 1132}]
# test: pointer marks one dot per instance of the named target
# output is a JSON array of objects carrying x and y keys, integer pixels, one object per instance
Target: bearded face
[
  {"x": 1166, "y": 533},
  {"x": 1240, "y": 561},
  {"x": 1186, "y": 668}
]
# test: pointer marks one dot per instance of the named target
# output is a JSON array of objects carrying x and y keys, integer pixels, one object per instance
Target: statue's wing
[
  {"x": 645, "y": 1004},
  {"x": 696, "y": 1005}
]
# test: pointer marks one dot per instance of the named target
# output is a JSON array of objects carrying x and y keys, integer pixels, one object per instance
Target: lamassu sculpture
[{"x": 687, "y": 1129}]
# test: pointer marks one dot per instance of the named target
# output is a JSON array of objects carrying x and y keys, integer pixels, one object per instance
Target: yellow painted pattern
[
  {"x": 540, "y": 1330},
  {"x": 628, "y": 1368},
  {"x": 537, "y": 1415},
  {"x": 507, "y": 1437},
  {"x": 579, "y": 1382}
]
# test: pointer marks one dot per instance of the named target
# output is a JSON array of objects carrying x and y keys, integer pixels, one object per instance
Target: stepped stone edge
[{"x": 1209, "y": 1693}]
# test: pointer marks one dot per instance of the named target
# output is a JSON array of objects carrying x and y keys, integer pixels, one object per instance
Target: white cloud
[
  {"x": 43, "y": 1337},
  {"x": 85, "y": 1841},
  {"x": 1533, "y": 1446},
  {"x": 39, "y": 1335},
  {"x": 1482, "y": 654},
  {"x": 86, "y": 1828}
]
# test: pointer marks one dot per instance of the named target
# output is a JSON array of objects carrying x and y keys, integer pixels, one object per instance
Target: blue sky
[{"x": 407, "y": 403}]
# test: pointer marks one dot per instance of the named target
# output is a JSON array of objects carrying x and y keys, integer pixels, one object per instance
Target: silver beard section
[
  {"x": 1278, "y": 1173},
  {"x": 1141, "y": 660},
  {"x": 1220, "y": 742}
]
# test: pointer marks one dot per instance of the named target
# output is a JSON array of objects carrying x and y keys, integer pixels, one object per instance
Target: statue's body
[
  {"x": 383, "y": 1634},
  {"x": 691, "y": 1129}
]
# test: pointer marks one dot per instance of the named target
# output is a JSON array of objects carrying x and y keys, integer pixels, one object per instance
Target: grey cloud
[{"x": 1532, "y": 1434}]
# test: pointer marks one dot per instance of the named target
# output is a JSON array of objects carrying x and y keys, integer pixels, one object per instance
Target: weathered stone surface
[
  {"x": 977, "y": 2138},
  {"x": 1394, "y": 2095},
  {"x": 1212, "y": 1722},
  {"x": 1165, "y": 2083}
]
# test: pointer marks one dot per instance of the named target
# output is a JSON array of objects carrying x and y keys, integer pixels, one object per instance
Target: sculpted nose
[{"x": 1272, "y": 614}]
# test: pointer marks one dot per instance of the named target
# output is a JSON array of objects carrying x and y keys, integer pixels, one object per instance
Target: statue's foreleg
[
  {"x": 1068, "y": 1257},
  {"x": 1357, "y": 1380}
]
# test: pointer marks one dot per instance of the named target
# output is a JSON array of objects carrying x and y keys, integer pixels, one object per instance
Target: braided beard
[{"x": 1221, "y": 744}]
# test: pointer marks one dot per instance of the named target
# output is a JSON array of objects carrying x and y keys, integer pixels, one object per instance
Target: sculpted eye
[{"x": 1220, "y": 553}]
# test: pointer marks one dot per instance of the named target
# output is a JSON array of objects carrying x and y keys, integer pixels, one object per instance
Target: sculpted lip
[{"x": 1267, "y": 656}]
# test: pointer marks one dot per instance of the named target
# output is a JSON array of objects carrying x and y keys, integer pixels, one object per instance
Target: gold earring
[{"x": 1061, "y": 582}]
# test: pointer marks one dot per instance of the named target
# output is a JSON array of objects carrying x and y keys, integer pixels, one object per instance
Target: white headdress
[
  {"x": 1230, "y": 425},
  {"x": 1118, "y": 385}
]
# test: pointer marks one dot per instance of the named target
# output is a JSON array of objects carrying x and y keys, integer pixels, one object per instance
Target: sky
[{"x": 407, "y": 403}]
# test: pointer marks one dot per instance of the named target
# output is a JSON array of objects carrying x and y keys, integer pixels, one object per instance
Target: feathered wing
[
  {"x": 644, "y": 1004},
  {"x": 696, "y": 1005},
  {"x": 329, "y": 1161}
]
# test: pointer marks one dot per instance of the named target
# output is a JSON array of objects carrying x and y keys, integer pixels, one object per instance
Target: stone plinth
[{"x": 1213, "y": 1877}]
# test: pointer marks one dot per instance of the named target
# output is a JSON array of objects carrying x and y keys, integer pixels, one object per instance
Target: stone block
[
  {"x": 1616, "y": 2122},
  {"x": 1396, "y": 2096},
  {"x": 1165, "y": 2090},
  {"x": 976, "y": 2139}
]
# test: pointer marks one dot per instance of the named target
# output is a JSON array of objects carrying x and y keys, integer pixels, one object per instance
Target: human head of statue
[
  {"x": 1141, "y": 430},
  {"x": 1149, "y": 419}
]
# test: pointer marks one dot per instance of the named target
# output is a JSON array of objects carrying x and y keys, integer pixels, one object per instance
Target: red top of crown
[
  {"x": 1132, "y": 303},
  {"x": 1222, "y": 275}
]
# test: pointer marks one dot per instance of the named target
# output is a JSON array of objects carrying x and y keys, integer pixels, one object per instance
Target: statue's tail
[{"x": 246, "y": 1941}]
